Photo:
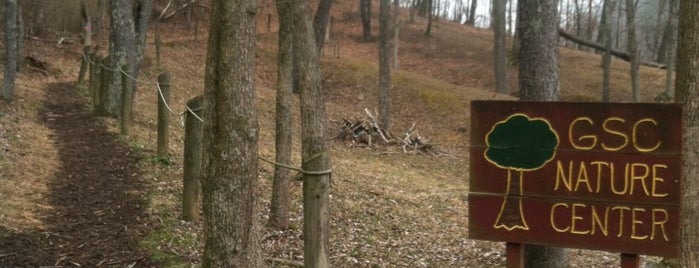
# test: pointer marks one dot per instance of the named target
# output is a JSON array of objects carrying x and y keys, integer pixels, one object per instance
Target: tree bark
[
  {"x": 606, "y": 33},
  {"x": 578, "y": 19},
  {"x": 315, "y": 154},
  {"x": 632, "y": 48},
  {"x": 538, "y": 64},
  {"x": 500, "y": 50},
  {"x": 590, "y": 26},
  {"x": 365, "y": 8},
  {"x": 516, "y": 41},
  {"x": 429, "y": 18},
  {"x": 121, "y": 51},
  {"x": 87, "y": 44},
  {"x": 384, "y": 65},
  {"x": 688, "y": 95},
  {"x": 538, "y": 81},
  {"x": 20, "y": 38},
  {"x": 230, "y": 135},
  {"x": 657, "y": 32},
  {"x": 36, "y": 21},
  {"x": 320, "y": 22},
  {"x": 604, "y": 20},
  {"x": 8, "y": 83},
  {"x": 142, "y": 14},
  {"x": 617, "y": 35},
  {"x": 671, "y": 45},
  {"x": 472, "y": 13},
  {"x": 279, "y": 205},
  {"x": 99, "y": 20},
  {"x": 396, "y": 33}
]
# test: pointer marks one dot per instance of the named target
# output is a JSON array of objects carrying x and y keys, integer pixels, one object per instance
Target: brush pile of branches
[{"x": 367, "y": 132}]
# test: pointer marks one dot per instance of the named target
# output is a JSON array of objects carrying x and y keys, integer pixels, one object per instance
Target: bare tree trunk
[
  {"x": 671, "y": 49},
  {"x": 538, "y": 80},
  {"x": 578, "y": 19},
  {"x": 538, "y": 63},
  {"x": 688, "y": 96},
  {"x": 8, "y": 83},
  {"x": 435, "y": 10},
  {"x": 384, "y": 65},
  {"x": 189, "y": 8},
  {"x": 567, "y": 22},
  {"x": 142, "y": 14},
  {"x": 36, "y": 21},
  {"x": 99, "y": 20},
  {"x": 121, "y": 51},
  {"x": 365, "y": 7},
  {"x": 413, "y": 8},
  {"x": 590, "y": 25},
  {"x": 422, "y": 12},
  {"x": 458, "y": 11},
  {"x": 500, "y": 50},
  {"x": 510, "y": 29},
  {"x": 230, "y": 135},
  {"x": 606, "y": 35},
  {"x": 632, "y": 48},
  {"x": 396, "y": 33},
  {"x": 429, "y": 18},
  {"x": 657, "y": 32},
  {"x": 279, "y": 205},
  {"x": 20, "y": 38},
  {"x": 618, "y": 24},
  {"x": 320, "y": 22},
  {"x": 87, "y": 44},
  {"x": 472, "y": 13},
  {"x": 315, "y": 154},
  {"x": 605, "y": 20},
  {"x": 514, "y": 50}
]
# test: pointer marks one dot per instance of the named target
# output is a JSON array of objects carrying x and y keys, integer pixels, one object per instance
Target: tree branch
[{"x": 616, "y": 53}]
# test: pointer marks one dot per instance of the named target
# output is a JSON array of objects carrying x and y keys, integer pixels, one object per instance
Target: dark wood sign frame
[{"x": 583, "y": 175}]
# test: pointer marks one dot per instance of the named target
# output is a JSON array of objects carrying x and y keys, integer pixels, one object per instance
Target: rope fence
[
  {"x": 192, "y": 111},
  {"x": 157, "y": 85}
]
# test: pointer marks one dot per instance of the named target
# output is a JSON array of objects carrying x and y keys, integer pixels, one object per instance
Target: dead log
[{"x": 616, "y": 53}]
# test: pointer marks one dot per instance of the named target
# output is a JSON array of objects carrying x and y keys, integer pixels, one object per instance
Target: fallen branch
[
  {"x": 616, "y": 53},
  {"x": 168, "y": 16},
  {"x": 376, "y": 126},
  {"x": 364, "y": 132}
]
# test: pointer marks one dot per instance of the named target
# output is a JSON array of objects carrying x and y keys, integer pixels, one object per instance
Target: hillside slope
[{"x": 389, "y": 209}]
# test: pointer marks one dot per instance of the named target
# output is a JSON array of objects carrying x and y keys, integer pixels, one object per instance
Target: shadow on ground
[{"x": 97, "y": 196}]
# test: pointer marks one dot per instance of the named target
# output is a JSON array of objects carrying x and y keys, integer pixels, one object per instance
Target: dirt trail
[{"x": 97, "y": 197}]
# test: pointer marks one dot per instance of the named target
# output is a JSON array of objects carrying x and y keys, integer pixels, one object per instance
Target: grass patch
[{"x": 168, "y": 242}]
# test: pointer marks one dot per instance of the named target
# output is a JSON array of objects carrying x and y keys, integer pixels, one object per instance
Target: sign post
[
  {"x": 515, "y": 255},
  {"x": 581, "y": 175}
]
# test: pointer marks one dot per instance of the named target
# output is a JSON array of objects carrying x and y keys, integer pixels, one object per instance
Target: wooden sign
[{"x": 582, "y": 175}]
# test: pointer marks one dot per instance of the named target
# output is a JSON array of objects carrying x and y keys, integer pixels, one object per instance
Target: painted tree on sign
[{"x": 518, "y": 144}]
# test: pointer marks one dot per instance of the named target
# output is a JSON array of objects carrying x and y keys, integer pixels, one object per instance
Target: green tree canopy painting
[{"x": 519, "y": 143}]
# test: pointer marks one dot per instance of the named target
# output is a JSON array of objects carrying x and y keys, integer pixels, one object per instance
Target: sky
[{"x": 482, "y": 10}]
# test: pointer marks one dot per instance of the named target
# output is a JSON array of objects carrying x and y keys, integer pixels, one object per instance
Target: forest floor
[{"x": 76, "y": 193}]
